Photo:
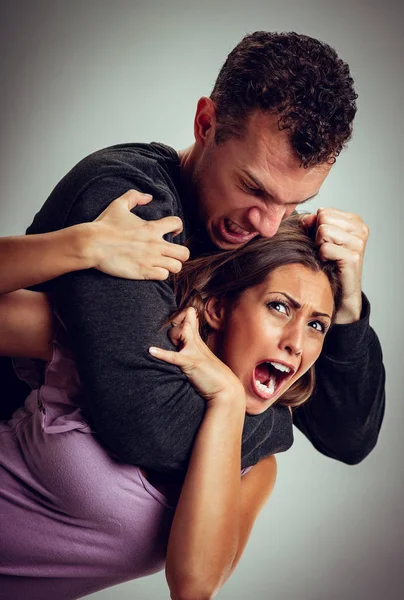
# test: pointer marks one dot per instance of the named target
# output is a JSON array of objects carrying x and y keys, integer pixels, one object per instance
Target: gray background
[{"x": 80, "y": 76}]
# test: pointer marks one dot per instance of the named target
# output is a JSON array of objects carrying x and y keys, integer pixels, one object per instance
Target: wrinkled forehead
[
  {"x": 265, "y": 155},
  {"x": 310, "y": 289}
]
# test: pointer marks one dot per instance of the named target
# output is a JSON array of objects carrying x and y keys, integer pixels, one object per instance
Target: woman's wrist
[
  {"x": 230, "y": 400},
  {"x": 85, "y": 246}
]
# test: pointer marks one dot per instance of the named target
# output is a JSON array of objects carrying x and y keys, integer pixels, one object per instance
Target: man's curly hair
[{"x": 293, "y": 75}]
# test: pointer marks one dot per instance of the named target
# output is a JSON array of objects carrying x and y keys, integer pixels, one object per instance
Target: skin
[
  {"x": 217, "y": 184},
  {"x": 342, "y": 237},
  {"x": 264, "y": 324}
]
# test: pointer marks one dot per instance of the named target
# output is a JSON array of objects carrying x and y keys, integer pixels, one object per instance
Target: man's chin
[{"x": 222, "y": 245}]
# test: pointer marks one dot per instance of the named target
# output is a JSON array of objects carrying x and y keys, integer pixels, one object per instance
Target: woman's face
[{"x": 274, "y": 332}]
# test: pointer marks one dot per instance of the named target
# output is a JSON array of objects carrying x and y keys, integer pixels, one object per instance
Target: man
[{"x": 280, "y": 113}]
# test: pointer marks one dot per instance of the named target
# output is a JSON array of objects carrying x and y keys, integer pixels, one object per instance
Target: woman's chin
[{"x": 255, "y": 406}]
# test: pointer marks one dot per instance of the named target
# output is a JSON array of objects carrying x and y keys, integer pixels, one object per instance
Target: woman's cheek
[{"x": 315, "y": 352}]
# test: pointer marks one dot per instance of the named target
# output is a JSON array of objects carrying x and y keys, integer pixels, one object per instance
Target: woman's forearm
[
  {"x": 204, "y": 536},
  {"x": 32, "y": 259}
]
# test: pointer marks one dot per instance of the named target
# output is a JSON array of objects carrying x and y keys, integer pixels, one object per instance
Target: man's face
[{"x": 245, "y": 187}]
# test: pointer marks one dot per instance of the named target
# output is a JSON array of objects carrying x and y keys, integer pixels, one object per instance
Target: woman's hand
[
  {"x": 123, "y": 245},
  {"x": 207, "y": 373},
  {"x": 118, "y": 243}
]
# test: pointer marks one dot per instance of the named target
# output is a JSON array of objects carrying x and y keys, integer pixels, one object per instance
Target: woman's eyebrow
[
  {"x": 293, "y": 302},
  {"x": 319, "y": 314},
  {"x": 296, "y": 304}
]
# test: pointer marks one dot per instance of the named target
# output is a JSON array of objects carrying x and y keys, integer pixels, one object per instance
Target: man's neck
[
  {"x": 187, "y": 162},
  {"x": 187, "y": 186},
  {"x": 199, "y": 242}
]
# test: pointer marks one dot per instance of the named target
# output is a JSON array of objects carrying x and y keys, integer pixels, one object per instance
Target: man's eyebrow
[
  {"x": 296, "y": 304},
  {"x": 306, "y": 200},
  {"x": 261, "y": 187}
]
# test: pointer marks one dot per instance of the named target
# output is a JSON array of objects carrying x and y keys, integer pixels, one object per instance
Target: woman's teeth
[
  {"x": 280, "y": 367},
  {"x": 271, "y": 378},
  {"x": 269, "y": 388}
]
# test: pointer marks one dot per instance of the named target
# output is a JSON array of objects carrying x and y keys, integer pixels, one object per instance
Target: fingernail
[
  {"x": 153, "y": 350},
  {"x": 146, "y": 195}
]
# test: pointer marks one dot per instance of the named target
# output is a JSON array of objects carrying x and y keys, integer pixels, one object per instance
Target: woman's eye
[
  {"x": 279, "y": 307},
  {"x": 318, "y": 326}
]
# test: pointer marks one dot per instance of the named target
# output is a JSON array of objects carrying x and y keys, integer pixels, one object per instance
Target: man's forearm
[{"x": 345, "y": 414}]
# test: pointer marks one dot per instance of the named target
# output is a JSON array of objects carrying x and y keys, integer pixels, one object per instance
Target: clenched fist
[{"x": 342, "y": 237}]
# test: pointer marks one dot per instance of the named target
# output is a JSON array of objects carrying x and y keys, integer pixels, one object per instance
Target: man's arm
[
  {"x": 145, "y": 412},
  {"x": 135, "y": 405},
  {"x": 345, "y": 414}
]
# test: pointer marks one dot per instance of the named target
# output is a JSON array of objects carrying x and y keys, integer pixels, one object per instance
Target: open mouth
[
  {"x": 269, "y": 377},
  {"x": 233, "y": 233}
]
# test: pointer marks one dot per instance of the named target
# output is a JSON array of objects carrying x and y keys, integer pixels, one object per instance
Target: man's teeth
[
  {"x": 267, "y": 388},
  {"x": 235, "y": 228},
  {"x": 280, "y": 367}
]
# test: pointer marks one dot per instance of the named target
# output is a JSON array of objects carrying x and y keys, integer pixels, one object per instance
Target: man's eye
[{"x": 252, "y": 190}]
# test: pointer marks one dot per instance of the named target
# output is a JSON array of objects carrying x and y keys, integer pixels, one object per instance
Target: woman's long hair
[{"x": 225, "y": 275}]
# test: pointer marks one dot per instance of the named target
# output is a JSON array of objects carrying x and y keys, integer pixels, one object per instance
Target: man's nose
[{"x": 266, "y": 220}]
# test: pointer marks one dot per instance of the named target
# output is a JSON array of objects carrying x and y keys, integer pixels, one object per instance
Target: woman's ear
[{"x": 215, "y": 311}]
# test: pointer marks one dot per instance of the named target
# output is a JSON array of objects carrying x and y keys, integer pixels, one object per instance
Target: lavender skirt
[{"x": 73, "y": 518}]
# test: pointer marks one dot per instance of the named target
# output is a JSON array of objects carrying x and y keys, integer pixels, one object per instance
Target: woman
[{"x": 76, "y": 520}]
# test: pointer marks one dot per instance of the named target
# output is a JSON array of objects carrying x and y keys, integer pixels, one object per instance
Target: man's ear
[
  {"x": 205, "y": 120},
  {"x": 215, "y": 311}
]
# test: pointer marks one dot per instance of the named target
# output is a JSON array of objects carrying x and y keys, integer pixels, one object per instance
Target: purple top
[{"x": 73, "y": 519}]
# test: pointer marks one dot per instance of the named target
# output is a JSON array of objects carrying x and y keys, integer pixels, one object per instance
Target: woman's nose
[
  {"x": 292, "y": 339},
  {"x": 266, "y": 220}
]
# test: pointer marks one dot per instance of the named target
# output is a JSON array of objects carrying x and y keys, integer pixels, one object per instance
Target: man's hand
[
  {"x": 124, "y": 245},
  {"x": 342, "y": 237}
]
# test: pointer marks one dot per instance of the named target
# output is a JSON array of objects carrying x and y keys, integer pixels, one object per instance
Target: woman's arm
[
  {"x": 216, "y": 509},
  {"x": 204, "y": 535},
  {"x": 32, "y": 259},
  {"x": 25, "y": 325},
  {"x": 256, "y": 487},
  {"x": 118, "y": 243}
]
